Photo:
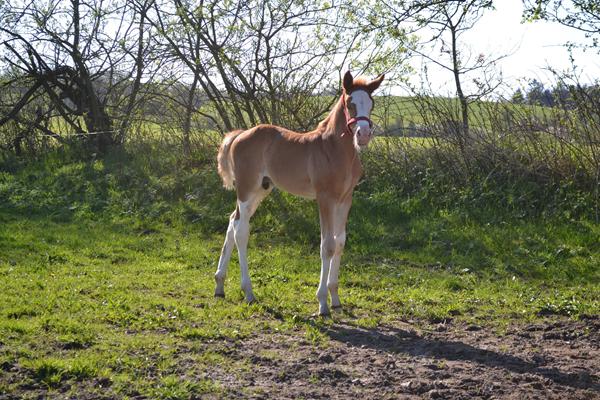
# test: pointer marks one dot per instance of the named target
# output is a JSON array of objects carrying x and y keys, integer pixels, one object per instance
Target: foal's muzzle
[
  {"x": 363, "y": 136},
  {"x": 363, "y": 131}
]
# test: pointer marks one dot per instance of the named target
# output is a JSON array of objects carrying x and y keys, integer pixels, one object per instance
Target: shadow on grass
[{"x": 398, "y": 341}]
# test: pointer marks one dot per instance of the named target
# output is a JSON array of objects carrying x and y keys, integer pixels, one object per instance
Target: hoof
[
  {"x": 324, "y": 313},
  {"x": 337, "y": 308},
  {"x": 251, "y": 301},
  {"x": 220, "y": 295}
]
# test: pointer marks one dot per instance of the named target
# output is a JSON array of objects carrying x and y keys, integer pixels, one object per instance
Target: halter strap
[{"x": 351, "y": 121}]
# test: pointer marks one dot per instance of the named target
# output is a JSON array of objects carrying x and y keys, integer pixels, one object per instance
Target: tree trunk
[
  {"x": 96, "y": 119},
  {"x": 139, "y": 69},
  {"x": 462, "y": 133},
  {"x": 189, "y": 111}
]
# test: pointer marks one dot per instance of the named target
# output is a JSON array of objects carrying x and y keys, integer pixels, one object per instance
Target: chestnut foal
[{"x": 322, "y": 165}]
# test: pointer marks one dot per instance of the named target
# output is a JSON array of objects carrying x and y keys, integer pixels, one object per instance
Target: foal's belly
[
  {"x": 307, "y": 194},
  {"x": 301, "y": 187}
]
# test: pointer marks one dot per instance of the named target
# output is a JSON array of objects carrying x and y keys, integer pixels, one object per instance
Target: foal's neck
[
  {"x": 335, "y": 123},
  {"x": 334, "y": 130}
]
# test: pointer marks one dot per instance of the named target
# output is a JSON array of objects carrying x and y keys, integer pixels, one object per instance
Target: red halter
[{"x": 351, "y": 121}]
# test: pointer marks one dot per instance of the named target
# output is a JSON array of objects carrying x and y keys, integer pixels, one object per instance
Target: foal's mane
[{"x": 334, "y": 121}]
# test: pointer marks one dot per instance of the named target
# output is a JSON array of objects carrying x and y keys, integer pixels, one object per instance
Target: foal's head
[{"x": 359, "y": 103}]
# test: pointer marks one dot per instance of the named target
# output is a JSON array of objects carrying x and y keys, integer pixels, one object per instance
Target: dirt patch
[
  {"x": 554, "y": 360},
  {"x": 404, "y": 360}
]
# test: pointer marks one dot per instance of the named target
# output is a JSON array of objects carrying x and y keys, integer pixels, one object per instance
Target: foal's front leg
[
  {"x": 238, "y": 232},
  {"x": 339, "y": 232},
  {"x": 326, "y": 210}
]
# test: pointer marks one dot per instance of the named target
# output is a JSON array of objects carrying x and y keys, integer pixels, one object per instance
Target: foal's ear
[
  {"x": 348, "y": 81},
  {"x": 374, "y": 84}
]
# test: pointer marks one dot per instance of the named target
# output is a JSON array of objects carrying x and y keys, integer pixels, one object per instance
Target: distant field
[
  {"x": 422, "y": 111},
  {"x": 389, "y": 113}
]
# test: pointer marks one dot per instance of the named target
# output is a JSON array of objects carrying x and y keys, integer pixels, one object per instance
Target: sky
[{"x": 533, "y": 47}]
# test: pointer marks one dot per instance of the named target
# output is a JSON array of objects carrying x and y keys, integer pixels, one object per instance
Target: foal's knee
[
  {"x": 340, "y": 242},
  {"x": 328, "y": 247}
]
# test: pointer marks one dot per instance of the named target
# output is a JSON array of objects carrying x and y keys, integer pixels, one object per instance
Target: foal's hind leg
[
  {"x": 238, "y": 232},
  {"x": 224, "y": 258},
  {"x": 241, "y": 230}
]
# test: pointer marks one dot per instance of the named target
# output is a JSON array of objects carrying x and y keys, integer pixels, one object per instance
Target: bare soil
[
  {"x": 551, "y": 360},
  {"x": 558, "y": 359}
]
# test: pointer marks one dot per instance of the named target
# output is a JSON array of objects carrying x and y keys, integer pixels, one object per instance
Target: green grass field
[
  {"x": 389, "y": 110},
  {"x": 107, "y": 272}
]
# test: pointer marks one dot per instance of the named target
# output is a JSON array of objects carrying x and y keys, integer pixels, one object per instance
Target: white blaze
[{"x": 363, "y": 103}]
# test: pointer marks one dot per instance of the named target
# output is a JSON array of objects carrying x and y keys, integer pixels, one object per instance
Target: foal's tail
[{"x": 223, "y": 159}]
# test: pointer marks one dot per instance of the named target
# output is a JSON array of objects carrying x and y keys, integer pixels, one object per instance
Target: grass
[
  {"x": 107, "y": 272},
  {"x": 420, "y": 110},
  {"x": 389, "y": 110}
]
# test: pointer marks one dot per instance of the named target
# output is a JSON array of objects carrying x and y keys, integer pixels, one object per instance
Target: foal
[{"x": 322, "y": 165}]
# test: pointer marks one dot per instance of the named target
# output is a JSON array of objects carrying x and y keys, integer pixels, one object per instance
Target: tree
[
  {"x": 518, "y": 97},
  {"x": 537, "y": 94},
  {"x": 80, "y": 57},
  {"x": 583, "y": 15},
  {"x": 449, "y": 21},
  {"x": 263, "y": 62},
  {"x": 94, "y": 65},
  {"x": 446, "y": 22}
]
